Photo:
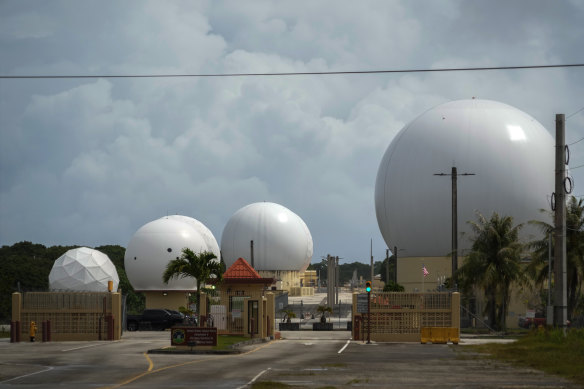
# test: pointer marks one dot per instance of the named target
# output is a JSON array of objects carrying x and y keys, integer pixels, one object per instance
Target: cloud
[{"x": 89, "y": 161}]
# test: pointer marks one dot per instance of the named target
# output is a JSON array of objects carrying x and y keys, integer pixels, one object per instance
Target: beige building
[{"x": 411, "y": 277}]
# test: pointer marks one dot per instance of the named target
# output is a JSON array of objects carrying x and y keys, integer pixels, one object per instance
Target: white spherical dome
[
  {"x": 206, "y": 233},
  {"x": 510, "y": 153},
  {"x": 281, "y": 239},
  {"x": 154, "y": 245},
  {"x": 83, "y": 270}
]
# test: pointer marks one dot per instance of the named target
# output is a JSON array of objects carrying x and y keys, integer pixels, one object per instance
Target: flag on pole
[{"x": 425, "y": 271}]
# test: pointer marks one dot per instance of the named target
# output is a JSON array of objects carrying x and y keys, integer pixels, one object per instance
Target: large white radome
[
  {"x": 156, "y": 243},
  {"x": 83, "y": 270},
  {"x": 511, "y": 154},
  {"x": 281, "y": 239}
]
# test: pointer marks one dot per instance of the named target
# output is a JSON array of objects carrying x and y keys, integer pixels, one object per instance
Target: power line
[
  {"x": 292, "y": 73},
  {"x": 580, "y": 110},
  {"x": 576, "y": 167},
  {"x": 569, "y": 116},
  {"x": 573, "y": 143}
]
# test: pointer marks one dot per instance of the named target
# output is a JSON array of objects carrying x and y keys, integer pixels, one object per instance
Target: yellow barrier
[{"x": 437, "y": 335}]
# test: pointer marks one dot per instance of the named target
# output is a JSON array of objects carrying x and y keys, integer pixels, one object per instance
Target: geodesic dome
[{"x": 83, "y": 269}]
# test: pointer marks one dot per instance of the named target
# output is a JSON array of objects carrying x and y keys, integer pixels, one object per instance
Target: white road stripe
[
  {"x": 78, "y": 348},
  {"x": 344, "y": 347},
  {"x": 255, "y": 378},
  {"x": 28, "y": 375}
]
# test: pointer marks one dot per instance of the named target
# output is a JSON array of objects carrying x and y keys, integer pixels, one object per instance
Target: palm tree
[
  {"x": 493, "y": 264},
  {"x": 393, "y": 287},
  {"x": 322, "y": 309},
  {"x": 288, "y": 315},
  {"x": 538, "y": 268},
  {"x": 201, "y": 267}
]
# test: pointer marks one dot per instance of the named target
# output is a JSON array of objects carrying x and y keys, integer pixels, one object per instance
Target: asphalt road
[{"x": 303, "y": 359}]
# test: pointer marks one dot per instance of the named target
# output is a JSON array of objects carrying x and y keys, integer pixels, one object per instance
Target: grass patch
[
  {"x": 226, "y": 341},
  {"x": 542, "y": 349}
]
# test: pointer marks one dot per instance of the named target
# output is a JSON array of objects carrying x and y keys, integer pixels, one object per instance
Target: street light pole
[
  {"x": 395, "y": 268},
  {"x": 454, "y": 174}
]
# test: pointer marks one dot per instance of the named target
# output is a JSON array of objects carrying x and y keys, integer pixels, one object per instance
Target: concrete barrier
[{"x": 439, "y": 335}]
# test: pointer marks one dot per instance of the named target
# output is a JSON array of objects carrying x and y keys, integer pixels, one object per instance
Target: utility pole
[
  {"x": 337, "y": 280},
  {"x": 395, "y": 268},
  {"x": 251, "y": 253},
  {"x": 387, "y": 266},
  {"x": 332, "y": 274},
  {"x": 560, "y": 294},
  {"x": 454, "y": 176},
  {"x": 549, "y": 315},
  {"x": 371, "y": 253}
]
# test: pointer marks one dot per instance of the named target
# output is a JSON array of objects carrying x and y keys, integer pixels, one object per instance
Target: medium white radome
[
  {"x": 510, "y": 153},
  {"x": 156, "y": 243},
  {"x": 83, "y": 270},
  {"x": 282, "y": 241}
]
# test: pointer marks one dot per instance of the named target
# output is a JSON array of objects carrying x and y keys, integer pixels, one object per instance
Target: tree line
[{"x": 25, "y": 267}]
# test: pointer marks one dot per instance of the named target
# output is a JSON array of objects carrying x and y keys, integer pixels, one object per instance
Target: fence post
[
  {"x": 16, "y": 313},
  {"x": 455, "y": 306}
]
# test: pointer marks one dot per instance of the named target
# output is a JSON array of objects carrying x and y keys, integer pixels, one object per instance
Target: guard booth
[
  {"x": 407, "y": 317},
  {"x": 243, "y": 305}
]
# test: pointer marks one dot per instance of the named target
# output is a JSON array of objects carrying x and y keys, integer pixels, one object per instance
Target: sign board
[
  {"x": 362, "y": 303},
  {"x": 199, "y": 336},
  {"x": 236, "y": 313},
  {"x": 530, "y": 313}
]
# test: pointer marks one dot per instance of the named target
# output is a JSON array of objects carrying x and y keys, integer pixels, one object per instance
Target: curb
[{"x": 233, "y": 349}]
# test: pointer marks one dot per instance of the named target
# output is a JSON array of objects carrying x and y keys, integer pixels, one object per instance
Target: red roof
[
  {"x": 240, "y": 269},
  {"x": 241, "y": 272}
]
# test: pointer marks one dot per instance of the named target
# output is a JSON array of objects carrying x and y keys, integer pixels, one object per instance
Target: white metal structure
[
  {"x": 281, "y": 239},
  {"x": 510, "y": 153},
  {"x": 156, "y": 243},
  {"x": 83, "y": 270},
  {"x": 206, "y": 233}
]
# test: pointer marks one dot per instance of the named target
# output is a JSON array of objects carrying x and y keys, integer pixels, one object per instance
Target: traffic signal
[{"x": 368, "y": 286}]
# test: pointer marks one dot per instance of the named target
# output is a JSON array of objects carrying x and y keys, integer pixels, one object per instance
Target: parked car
[
  {"x": 153, "y": 319},
  {"x": 532, "y": 322}
]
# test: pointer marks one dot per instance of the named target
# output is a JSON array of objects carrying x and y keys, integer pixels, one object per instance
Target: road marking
[
  {"x": 255, "y": 378},
  {"x": 150, "y": 363},
  {"x": 344, "y": 347},
  {"x": 149, "y": 371},
  {"x": 28, "y": 375},
  {"x": 78, "y": 348}
]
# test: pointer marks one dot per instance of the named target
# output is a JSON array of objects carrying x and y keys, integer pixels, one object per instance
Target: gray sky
[{"x": 89, "y": 161}]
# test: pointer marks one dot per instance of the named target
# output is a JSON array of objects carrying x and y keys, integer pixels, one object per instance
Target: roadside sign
[
  {"x": 362, "y": 303},
  {"x": 200, "y": 336}
]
